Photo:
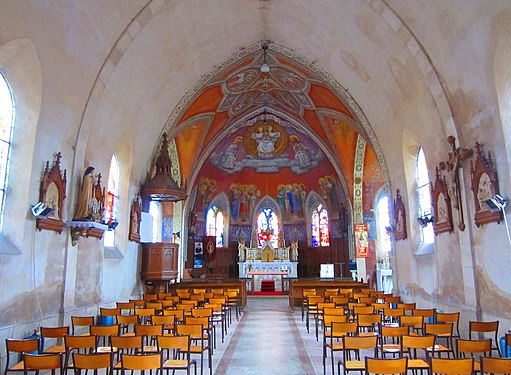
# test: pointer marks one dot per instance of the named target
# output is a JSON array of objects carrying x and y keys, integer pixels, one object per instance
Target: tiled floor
[{"x": 269, "y": 339}]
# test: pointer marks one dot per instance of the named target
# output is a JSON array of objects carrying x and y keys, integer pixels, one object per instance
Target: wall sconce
[
  {"x": 425, "y": 219},
  {"x": 498, "y": 203}
]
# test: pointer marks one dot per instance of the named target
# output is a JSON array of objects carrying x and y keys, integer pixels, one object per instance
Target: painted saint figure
[{"x": 266, "y": 139}]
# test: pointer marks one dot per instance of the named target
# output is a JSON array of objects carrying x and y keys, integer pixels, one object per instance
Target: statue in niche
[
  {"x": 294, "y": 251},
  {"x": 241, "y": 250},
  {"x": 85, "y": 205}
]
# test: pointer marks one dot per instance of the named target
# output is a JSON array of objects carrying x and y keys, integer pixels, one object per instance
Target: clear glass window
[
  {"x": 111, "y": 201},
  {"x": 6, "y": 127},
  {"x": 215, "y": 225},
  {"x": 424, "y": 197}
]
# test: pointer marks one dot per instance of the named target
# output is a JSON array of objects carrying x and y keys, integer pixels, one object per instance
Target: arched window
[
  {"x": 111, "y": 201},
  {"x": 268, "y": 227},
  {"x": 383, "y": 227},
  {"x": 319, "y": 227},
  {"x": 215, "y": 225},
  {"x": 424, "y": 199},
  {"x": 6, "y": 125},
  {"x": 155, "y": 212}
]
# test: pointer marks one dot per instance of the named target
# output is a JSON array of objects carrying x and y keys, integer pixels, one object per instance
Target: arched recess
[
  {"x": 222, "y": 202},
  {"x": 266, "y": 202},
  {"x": 20, "y": 65}
]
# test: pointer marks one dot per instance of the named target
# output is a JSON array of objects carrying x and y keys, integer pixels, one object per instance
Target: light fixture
[
  {"x": 498, "y": 203},
  {"x": 265, "y": 68}
]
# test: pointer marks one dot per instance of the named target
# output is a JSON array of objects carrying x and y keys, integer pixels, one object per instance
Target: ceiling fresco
[{"x": 285, "y": 123}]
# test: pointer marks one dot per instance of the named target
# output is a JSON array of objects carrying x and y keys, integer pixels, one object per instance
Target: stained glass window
[
  {"x": 215, "y": 225},
  {"x": 111, "y": 200},
  {"x": 424, "y": 196},
  {"x": 320, "y": 227},
  {"x": 268, "y": 227},
  {"x": 6, "y": 124},
  {"x": 384, "y": 228}
]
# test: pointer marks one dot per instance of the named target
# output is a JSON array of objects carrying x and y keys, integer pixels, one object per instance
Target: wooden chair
[
  {"x": 390, "y": 339},
  {"x": 453, "y": 318},
  {"x": 56, "y": 333},
  {"x": 177, "y": 353},
  {"x": 340, "y": 301},
  {"x": 196, "y": 334},
  {"x": 80, "y": 322},
  {"x": 149, "y": 333},
  {"x": 125, "y": 345},
  {"x": 37, "y": 362},
  {"x": 305, "y": 294},
  {"x": 428, "y": 314},
  {"x": 415, "y": 322},
  {"x": 78, "y": 344},
  {"x": 318, "y": 317},
  {"x": 157, "y": 306},
  {"x": 103, "y": 334},
  {"x": 392, "y": 315},
  {"x": 368, "y": 324},
  {"x": 108, "y": 315},
  {"x": 483, "y": 328},
  {"x": 380, "y": 306},
  {"x": 139, "y": 303},
  {"x": 441, "y": 331},
  {"x": 128, "y": 307},
  {"x": 408, "y": 307},
  {"x": 179, "y": 315},
  {"x": 207, "y": 327},
  {"x": 199, "y": 291},
  {"x": 164, "y": 296},
  {"x": 417, "y": 349},
  {"x": 311, "y": 308},
  {"x": 150, "y": 297},
  {"x": 127, "y": 324},
  {"x": 144, "y": 315},
  {"x": 351, "y": 347},
  {"x": 369, "y": 300},
  {"x": 167, "y": 321},
  {"x": 398, "y": 366},
  {"x": 452, "y": 366},
  {"x": 332, "y": 336},
  {"x": 141, "y": 362},
  {"x": 328, "y": 320},
  {"x": 92, "y": 361},
  {"x": 205, "y": 312},
  {"x": 474, "y": 349},
  {"x": 219, "y": 316},
  {"x": 19, "y": 346},
  {"x": 491, "y": 365},
  {"x": 393, "y": 300},
  {"x": 233, "y": 301}
]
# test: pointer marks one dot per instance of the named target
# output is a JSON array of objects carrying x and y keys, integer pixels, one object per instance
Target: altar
[{"x": 267, "y": 264}]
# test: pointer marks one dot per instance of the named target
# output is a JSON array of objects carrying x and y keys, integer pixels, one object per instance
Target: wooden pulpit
[{"x": 159, "y": 264}]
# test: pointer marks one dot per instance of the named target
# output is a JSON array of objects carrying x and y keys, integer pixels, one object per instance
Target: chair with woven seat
[
  {"x": 417, "y": 349},
  {"x": 196, "y": 334},
  {"x": 491, "y": 365},
  {"x": 351, "y": 347},
  {"x": 474, "y": 349},
  {"x": 390, "y": 339},
  {"x": 141, "y": 363},
  {"x": 81, "y": 322},
  {"x": 92, "y": 361},
  {"x": 442, "y": 331},
  {"x": 483, "y": 330},
  {"x": 386, "y": 366},
  {"x": 78, "y": 344},
  {"x": 452, "y": 366},
  {"x": 332, "y": 336},
  {"x": 176, "y": 350},
  {"x": 19, "y": 346},
  {"x": 56, "y": 333},
  {"x": 48, "y": 361}
]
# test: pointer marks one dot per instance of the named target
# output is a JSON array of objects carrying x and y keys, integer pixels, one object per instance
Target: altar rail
[
  {"x": 297, "y": 286},
  {"x": 209, "y": 284}
]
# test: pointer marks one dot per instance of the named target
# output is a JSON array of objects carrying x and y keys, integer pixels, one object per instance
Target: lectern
[{"x": 159, "y": 264}]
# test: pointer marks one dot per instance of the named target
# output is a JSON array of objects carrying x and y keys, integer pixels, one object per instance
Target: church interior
[{"x": 253, "y": 142}]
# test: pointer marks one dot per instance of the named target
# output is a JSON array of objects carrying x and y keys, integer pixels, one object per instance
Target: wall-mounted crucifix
[{"x": 451, "y": 167}]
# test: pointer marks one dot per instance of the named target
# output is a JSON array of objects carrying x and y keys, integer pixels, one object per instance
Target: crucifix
[{"x": 451, "y": 167}]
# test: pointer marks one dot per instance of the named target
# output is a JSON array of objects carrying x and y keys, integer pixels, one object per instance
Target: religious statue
[
  {"x": 86, "y": 199},
  {"x": 241, "y": 251},
  {"x": 294, "y": 251}
]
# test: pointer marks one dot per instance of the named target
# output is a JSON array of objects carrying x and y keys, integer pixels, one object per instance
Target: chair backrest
[
  {"x": 104, "y": 331},
  {"x": 416, "y": 322},
  {"x": 340, "y": 300},
  {"x": 164, "y": 296},
  {"x": 334, "y": 311},
  {"x": 138, "y": 302},
  {"x": 192, "y": 330},
  {"x": 368, "y": 320},
  {"x": 392, "y": 299},
  {"x": 127, "y": 320},
  {"x": 42, "y": 362},
  {"x": 130, "y": 306},
  {"x": 386, "y": 365},
  {"x": 407, "y": 306},
  {"x": 80, "y": 342},
  {"x": 491, "y": 365},
  {"x": 427, "y": 313},
  {"x": 393, "y": 331},
  {"x": 81, "y": 321},
  {"x": 314, "y": 300},
  {"x": 359, "y": 342},
  {"x": 21, "y": 345},
  {"x": 438, "y": 328},
  {"x": 180, "y": 343},
  {"x": 329, "y": 319},
  {"x": 473, "y": 348},
  {"x": 92, "y": 361},
  {"x": 178, "y": 314},
  {"x": 391, "y": 312},
  {"x": 202, "y": 320},
  {"x": 217, "y": 291},
  {"x": 150, "y": 297},
  {"x": 163, "y": 320},
  {"x": 141, "y": 362},
  {"x": 204, "y": 311},
  {"x": 453, "y": 318},
  {"x": 54, "y": 332},
  {"x": 107, "y": 311},
  {"x": 363, "y": 310},
  {"x": 154, "y": 305},
  {"x": 368, "y": 300},
  {"x": 484, "y": 327},
  {"x": 340, "y": 329},
  {"x": 451, "y": 366},
  {"x": 379, "y": 306},
  {"x": 149, "y": 330},
  {"x": 144, "y": 312},
  {"x": 127, "y": 344},
  {"x": 410, "y": 344}
]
